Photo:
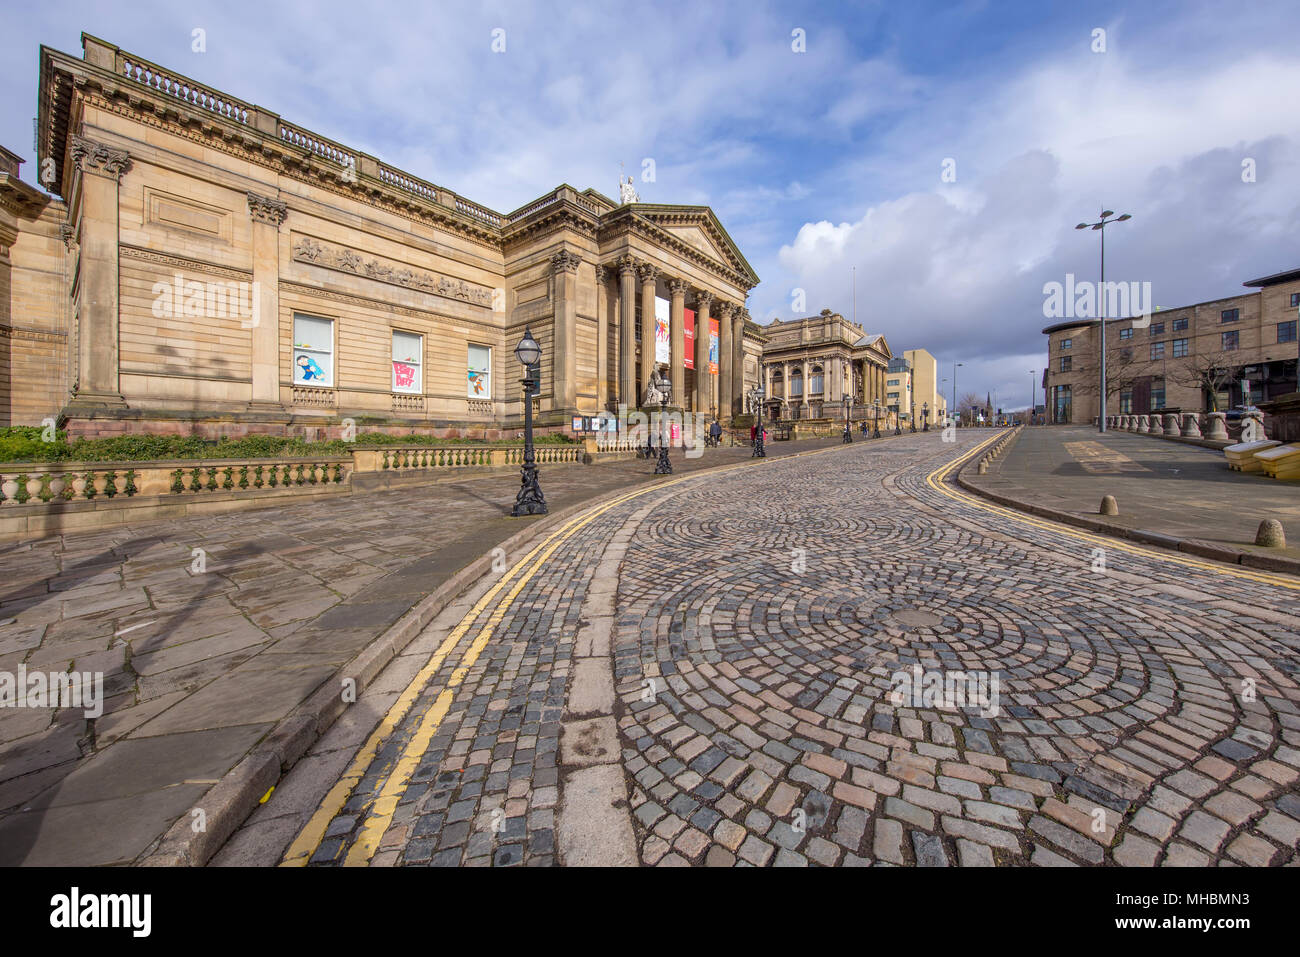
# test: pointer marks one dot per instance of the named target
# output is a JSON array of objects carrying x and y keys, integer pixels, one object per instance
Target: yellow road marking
[
  {"x": 935, "y": 481},
  {"x": 384, "y": 807}
]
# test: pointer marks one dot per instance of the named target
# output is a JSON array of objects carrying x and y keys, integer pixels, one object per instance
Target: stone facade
[
  {"x": 209, "y": 267},
  {"x": 926, "y": 394},
  {"x": 810, "y": 365},
  {"x": 1252, "y": 336}
]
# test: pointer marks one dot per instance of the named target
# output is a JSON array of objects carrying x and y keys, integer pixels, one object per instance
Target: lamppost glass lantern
[{"x": 530, "y": 500}]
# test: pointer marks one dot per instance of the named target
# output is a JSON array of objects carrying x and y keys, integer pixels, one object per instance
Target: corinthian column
[
  {"x": 648, "y": 273},
  {"x": 703, "y": 381},
  {"x": 627, "y": 393},
  {"x": 726, "y": 359},
  {"x": 565, "y": 347},
  {"x": 267, "y": 214},
  {"x": 677, "y": 336},
  {"x": 100, "y": 169},
  {"x": 738, "y": 363}
]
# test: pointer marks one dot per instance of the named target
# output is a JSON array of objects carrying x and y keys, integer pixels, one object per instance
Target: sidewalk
[
  {"x": 1169, "y": 488},
  {"x": 199, "y": 666}
]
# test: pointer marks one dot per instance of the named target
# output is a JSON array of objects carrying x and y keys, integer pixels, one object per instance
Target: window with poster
[
  {"x": 408, "y": 353},
  {"x": 480, "y": 372},
  {"x": 313, "y": 351}
]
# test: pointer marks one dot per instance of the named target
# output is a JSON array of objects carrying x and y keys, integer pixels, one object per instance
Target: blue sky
[{"x": 816, "y": 162}]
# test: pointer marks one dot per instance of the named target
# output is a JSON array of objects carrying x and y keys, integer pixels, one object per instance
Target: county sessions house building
[{"x": 196, "y": 263}]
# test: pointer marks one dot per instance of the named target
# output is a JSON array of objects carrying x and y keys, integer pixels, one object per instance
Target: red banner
[{"x": 690, "y": 338}]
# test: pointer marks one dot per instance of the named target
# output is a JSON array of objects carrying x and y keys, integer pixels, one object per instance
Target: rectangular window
[
  {"x": 1066, "y": 344},
  {"x": 1067, "y": 363},
  {"x": 1295, "y": 298},
  {"x": 1158, "y": 394},
  {"x": 1157, "y": 350},
  {"x": 892, "y": 382},
  {"x": 313, "y": 351},
  {"x": 1126, "y": 333},
  {"x": 1126, "y": 402},
  {"x": 1180, "y": 325},
  {"x": 1229, "y": 341},
  {"x": 1180, "y": 348},
  {"x": 1157, "y": 328},
  {"x": 408, "y": 353},
  {"x": 1286, "y": 331},
  {"x": 480, "y": 372},
  {"x": 818, "y": 383},
  {"x": 1230, "y": 315}
]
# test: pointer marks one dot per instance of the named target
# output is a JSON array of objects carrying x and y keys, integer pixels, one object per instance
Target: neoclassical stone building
[
  {"x": 810, "y": 365},
  {"x": 204, "y": 265}
]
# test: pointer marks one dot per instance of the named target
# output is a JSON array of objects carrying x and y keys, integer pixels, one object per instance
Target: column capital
[
  {"x": 565, "y": 261},
  {"x": 265, "y": 209},
  {"x": 725, "y": 309},
  {"x": 625, "y": 264},
  {"x": 92, "y": 157},
  {"x": 648, "y": 272},
  {"x": 703, "y": 298},
  {"x": 678, "y": 287}
]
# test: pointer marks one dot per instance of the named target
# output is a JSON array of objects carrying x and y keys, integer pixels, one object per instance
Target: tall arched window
[
  {"x": 778, "y": 384},
  {"x": 817, "y": 381},
  {"x": 796, "y": 383}
]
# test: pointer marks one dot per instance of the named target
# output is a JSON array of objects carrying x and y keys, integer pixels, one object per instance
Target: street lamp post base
[
  {"x": 530, "y": 500},
  {"x": 663, "y": 466}
]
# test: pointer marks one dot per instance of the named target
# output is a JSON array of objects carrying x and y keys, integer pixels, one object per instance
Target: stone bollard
[
  {"x": 984, "y": 466},
  {"x": 1191, "y": 427},
  {"x": 1270, "y": 534},
  {"x": 1218, "y": 427},
  {"x": 1143, "y": 423},
  {"x": 1258, "y": 419},
  {"x": 1109, "y": 506},
  {"x": 1132, "y": 423},
  {"x": 1171, "y": 424}
]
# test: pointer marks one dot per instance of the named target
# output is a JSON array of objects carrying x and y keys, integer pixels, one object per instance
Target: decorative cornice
[
  {"x": 317, "y": 253},
  {"x": 92, "y": 157},
  {"x": 180, "y": 262},
  {"x": 264, "y": 209},
  {"x": 565, "y": 261}
]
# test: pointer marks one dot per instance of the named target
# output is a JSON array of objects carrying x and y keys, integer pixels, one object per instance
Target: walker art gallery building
[{"x": 206, "y": 266}]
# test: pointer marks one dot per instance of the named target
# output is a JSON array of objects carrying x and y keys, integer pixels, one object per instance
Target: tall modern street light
[
  {"x": 955, "y": 367},
  {"x": 529, "y": 501},
  {"x": 1100, "y": 226}
]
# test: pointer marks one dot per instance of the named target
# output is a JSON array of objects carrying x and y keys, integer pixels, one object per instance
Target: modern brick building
[
  {"x": 1191, "y": 359},
  {"x": 199, "y": 264}
]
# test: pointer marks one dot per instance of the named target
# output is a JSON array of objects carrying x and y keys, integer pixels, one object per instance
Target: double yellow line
[
  {"x": 385, "y": 805},
  {"x": 936, "y": 480}
]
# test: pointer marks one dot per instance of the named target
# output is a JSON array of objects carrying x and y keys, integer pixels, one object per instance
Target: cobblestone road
[{"x": 702, "y": 673}]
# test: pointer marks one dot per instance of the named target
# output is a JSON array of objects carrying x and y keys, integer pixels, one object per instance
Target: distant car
[{"x": 1233, "y": 415}]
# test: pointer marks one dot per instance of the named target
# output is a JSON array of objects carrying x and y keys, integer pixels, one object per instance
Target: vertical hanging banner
[
  {"x": 713, "y": 347},
  {"x": 690, "y": 337},
  {"x": 663, "y": 344}
]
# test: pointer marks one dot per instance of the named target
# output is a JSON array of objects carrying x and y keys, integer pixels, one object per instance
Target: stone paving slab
[
  {"x": 1168, "y": 487},
  {"x": 1147, "y": 714},
  {"x": 233, "y": 636}
]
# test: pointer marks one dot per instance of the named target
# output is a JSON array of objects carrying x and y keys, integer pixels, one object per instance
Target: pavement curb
[
  {"x": 1216, "y": 551},
  {"x": 228, "y": 803}
]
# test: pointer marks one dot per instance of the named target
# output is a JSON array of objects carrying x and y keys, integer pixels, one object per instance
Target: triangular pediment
[
  {"x": 698, "y": 227},
  {"x": 696, "y": 237}
]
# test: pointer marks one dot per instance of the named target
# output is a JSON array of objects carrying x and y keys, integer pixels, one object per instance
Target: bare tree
[
  {"x": 1123, "y": 368},
  {"x": 1207, "y": 372},
  {"x": 968, "y": 406}
]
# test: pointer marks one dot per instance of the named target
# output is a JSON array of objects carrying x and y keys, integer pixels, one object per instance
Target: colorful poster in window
[
  {"x": 713, "y": 347},
  {"x": 313, "y": 351},
  {"x": 403, "y": 376},
  {"x": 480, "y": 372},
  {"x": 690, "y": 338},
  {"x": 663, "y": 344}
]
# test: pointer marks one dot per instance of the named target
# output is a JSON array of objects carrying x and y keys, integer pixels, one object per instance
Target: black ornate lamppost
[
  {"x": 898, "y": 422},
  {"x": 530, "y": 500},
  {"x": 925, "y": 418},
  {"x": 875, "y": 408},
  {"x": 848, "y": 431},
  {"x": 912, "y": 417},
  {"x": 756, "y": 399},
  {"x": 663, "y": 385}
]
